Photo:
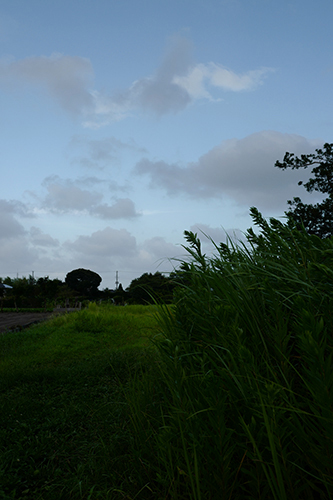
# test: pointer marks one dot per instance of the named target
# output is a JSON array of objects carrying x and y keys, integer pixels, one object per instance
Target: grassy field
[
  {"x": 226, "y": 395},
  {"x": 65, "y": 428}
]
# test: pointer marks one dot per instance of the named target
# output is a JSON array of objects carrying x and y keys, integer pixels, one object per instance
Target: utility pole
[{"x": 117, "y": 282}]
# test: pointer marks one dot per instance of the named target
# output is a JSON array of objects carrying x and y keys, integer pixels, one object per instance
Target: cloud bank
[
  {"x": 239, "y": 169},
  {"x": 177, "y": 83},
  {"x": 68, "y": 196}
]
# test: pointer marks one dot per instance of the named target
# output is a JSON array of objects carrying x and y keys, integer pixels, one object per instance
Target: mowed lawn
[{"x": 65, "y": 428}]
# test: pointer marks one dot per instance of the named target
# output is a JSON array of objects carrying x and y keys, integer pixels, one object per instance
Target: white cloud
[
  {"x": 240, "y": 169},
  {"x": 203, "y": 76},
  {"x": 226, "y": 79}
]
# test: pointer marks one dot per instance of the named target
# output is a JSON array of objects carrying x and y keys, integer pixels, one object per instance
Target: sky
[{"x": 125, "y": 123}]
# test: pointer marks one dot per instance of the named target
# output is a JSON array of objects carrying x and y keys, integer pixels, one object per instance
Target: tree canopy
[
  {"x": 150, "y": 287},
  {"x": 318, "y": 218},
  {"x": 83, "y": 281}
]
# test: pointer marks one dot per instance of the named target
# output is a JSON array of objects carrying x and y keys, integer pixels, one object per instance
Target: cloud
[
  {"x": 240, "y": 169},
  {"x": 204, "y": 76},
  {"x": 16, "y": 207},
  {"x": 66, "y": 78},
  {"x": 16, "y": 256},
  {"x": 159, "y": 251},
  {"x": 40, "y": 239},
  {"x": 64, "y": 195},
  {"x": 14, "y": 244},
  {"x": 104, "y": 251},
  {"x": 67, "y": 196},
  {"x": 107, "y": 243},
  {"x": 122, "y": 208},
  {"x": 209, "y": 235},
  {"x": 101, "y": 153},
  {"x": 118, "y": 249},
  {"x": 9, "y": 226},
  {"x": 177, "y": 82},
  {"x": 157, "y": 93},
  {"x": 160, "y": 93}
]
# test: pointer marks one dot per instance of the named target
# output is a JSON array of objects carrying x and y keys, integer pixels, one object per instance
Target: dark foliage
[
  {"x": 31, "y": 293},
  {"x": 84, "y": 281},
  {"x": 150, "y": 287},
  {"x": 318, "y": 218}
]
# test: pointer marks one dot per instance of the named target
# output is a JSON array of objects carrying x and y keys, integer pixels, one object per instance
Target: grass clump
[{"x": 245, "y": 392}]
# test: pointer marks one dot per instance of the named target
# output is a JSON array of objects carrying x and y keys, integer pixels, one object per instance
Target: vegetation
[
  {"x": 29, "y": 293},
  {"x": 318, "y": 218},
  {"x": 64, "y": 421},
  {"x": 246, "y": 381},
  {"x": 227, "y": 394},
  {"x": 81, "y": 285},
  {"x": 83, "y": 281},
  {"x": 149, "y": 288}
]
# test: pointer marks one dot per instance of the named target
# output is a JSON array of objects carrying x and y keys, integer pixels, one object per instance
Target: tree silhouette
[
  {"x": 150, "y": 287},
  {"x": 83, "y": 281},
  {"x": 318, "y": 218}
]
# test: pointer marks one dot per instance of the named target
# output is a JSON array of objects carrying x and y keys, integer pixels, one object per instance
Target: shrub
[{"x": 247, "y": 404}]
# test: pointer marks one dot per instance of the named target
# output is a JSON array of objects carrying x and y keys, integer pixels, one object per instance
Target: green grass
[
  {"x": 246, "y": 387},
  {"x": 227, "y": 394},
  {"x": 64, "y": 421}
]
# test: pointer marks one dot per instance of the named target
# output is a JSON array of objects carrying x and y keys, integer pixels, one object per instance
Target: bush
[{"x": 246, "y": 378}]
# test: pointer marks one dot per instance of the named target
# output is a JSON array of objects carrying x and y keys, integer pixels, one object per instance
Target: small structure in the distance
[{"x": 2, "y": 285}]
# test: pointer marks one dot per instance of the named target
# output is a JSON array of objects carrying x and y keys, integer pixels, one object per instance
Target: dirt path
[{"x": 17, "y": 321}]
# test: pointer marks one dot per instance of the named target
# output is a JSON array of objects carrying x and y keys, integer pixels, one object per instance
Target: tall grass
[{"x": 245, "y": 391}]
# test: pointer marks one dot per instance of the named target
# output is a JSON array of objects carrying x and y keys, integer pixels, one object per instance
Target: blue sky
[{"x": 124, "y": 123}]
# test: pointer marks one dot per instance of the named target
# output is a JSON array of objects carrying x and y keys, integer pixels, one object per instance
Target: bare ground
[{"x": 18, "y": 321}]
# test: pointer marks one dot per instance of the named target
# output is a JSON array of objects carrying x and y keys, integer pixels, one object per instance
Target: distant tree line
[
  {"x": 82, "y": 285},
  {"x": 33, "y": 293}
]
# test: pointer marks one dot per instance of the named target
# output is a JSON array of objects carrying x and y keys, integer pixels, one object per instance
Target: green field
[
  {"x": 227, "y": 394},
  {"x": 65, "y": 428}
]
